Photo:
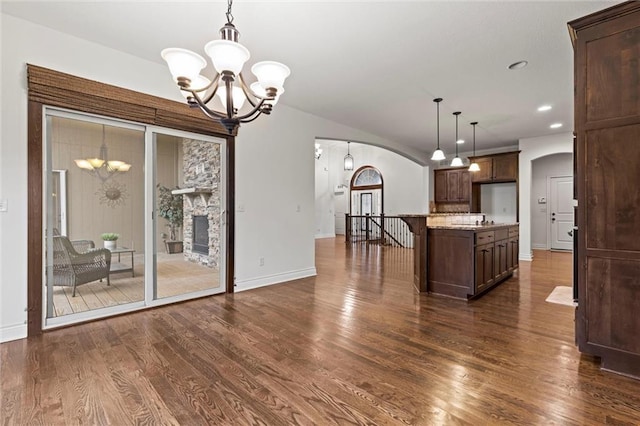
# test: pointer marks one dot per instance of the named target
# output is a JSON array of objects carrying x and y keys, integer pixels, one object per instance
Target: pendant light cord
[
  {"x": 229, "y": 15},
  {"x": 457, "y": 113}
]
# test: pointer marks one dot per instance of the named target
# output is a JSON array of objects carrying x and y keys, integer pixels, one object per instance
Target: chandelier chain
[{"x": 229, "y": 15}]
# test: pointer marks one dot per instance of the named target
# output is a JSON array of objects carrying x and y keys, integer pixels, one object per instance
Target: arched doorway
[{"x": 367, "y": 196}]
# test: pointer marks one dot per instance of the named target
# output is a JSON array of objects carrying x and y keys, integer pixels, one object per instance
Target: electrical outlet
[{"x": 262, "y": 261}]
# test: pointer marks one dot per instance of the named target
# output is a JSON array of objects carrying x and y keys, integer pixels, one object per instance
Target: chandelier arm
[
  {"x": 213, "y": 83},
  {"x": 248, "y": 93},
  {"x": 258, "y": 109},
  {"x": 249, "y": 120},
  {"x": 207, "y": 111},
  {"x": 229, "y": 85}
]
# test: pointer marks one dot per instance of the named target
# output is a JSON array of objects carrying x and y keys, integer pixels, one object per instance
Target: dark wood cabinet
[
  {"x": 607, "y": 127},
  {"x": 465, "y": 263},
  {"x": 452, "y": 186},
  {"x": 513, "y": 250},
  {"x": 496, "y": 168},
  {"x": 484, "y": 267}
]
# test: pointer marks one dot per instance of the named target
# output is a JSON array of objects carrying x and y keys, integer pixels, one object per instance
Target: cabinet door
[
  {"x": 505, "y": 167},
  {"x": 453, "y": 185},
  {"x": 440, "y": 179},
  {"x": 485, "y": 174},
  {"x": 465, "y": 186},
  {"x": 484, "y": 266},
  {"x": 500, "y": 259},
  {"x": 512, "y": 253}
]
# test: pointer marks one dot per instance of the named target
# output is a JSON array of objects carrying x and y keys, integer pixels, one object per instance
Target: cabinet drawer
[
  {"x": 501, "y": 234},
  {"x": 514, "y": 231},
  {"x": 484, "y": 237}
]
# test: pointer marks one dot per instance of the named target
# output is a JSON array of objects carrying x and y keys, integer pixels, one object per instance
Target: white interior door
[{"x": 561, "y": 212}]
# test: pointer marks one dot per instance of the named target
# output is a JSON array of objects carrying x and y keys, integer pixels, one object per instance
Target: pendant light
[
  {"x": 438, "y": 154},
  {"x": 457, "y": 162},
  {"x": 348, "y": 159},
  {"x": 474, "y": 167}
]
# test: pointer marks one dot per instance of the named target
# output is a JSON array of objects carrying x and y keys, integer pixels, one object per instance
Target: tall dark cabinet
[{"x": 607, "y": 126}]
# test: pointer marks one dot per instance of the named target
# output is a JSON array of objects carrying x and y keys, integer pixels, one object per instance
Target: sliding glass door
[
  {"x": 132, "y": 218},
  {"x": 189, "y": 246}
]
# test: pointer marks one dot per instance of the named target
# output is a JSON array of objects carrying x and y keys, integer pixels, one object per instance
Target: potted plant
[
  {"x": 170, "y": 208},
  {"x": 110, "y": 240}
]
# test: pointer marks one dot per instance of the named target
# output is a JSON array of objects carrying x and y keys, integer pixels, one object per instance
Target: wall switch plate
[{"x": 4, "y": 205}]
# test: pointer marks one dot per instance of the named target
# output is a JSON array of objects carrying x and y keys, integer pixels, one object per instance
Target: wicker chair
[{"x": 72, "y": 269}]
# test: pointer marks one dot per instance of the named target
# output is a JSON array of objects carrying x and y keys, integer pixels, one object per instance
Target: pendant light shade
[
  {"x": 438, "y": 154},
  {"x": 474, "y": 167},
  {"x": 457, "y": 161},
  {"x": 348, "y": 159}
]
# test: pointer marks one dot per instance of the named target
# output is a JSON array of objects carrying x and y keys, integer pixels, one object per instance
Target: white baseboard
[
  {"x": 539, "y": 247},
  {"x": 14, "y": 332},
  {"x": 325, "y": 236},
  {"x": 526, "y": 257},
  {"x": 251, "y": 283}
]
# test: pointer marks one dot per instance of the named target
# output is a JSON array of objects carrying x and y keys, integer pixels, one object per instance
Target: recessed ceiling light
[
  {"x": 556, "y": 125},
  {"x": 518, "y": 65},
  {"x": 460, "y": 141},
  {"x": 544, "y": 108}
]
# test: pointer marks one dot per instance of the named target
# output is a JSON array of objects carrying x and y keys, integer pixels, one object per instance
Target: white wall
[
  {"x": 530, "y": 149},
  {"x": 274, "y": 168},
  {"x": 542, "y": 169},
  {"x": 499, "y": 202}
]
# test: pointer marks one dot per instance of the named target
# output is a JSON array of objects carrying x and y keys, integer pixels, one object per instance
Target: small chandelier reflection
[
  {"x": 348, "y": 159},
  {"x": 228, "y": 57},
  {"x": 101, "y": 167},
  {"x": 318, "y": 152},
  {"x": 457, "y": 161}
]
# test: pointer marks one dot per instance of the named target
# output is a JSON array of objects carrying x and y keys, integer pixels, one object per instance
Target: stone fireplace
[{"x": 201, "y": 202}]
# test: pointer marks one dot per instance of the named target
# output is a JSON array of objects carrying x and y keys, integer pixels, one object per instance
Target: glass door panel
[
  {"x": 189, "y": 208},
  {"x": 94, "y": 185}
]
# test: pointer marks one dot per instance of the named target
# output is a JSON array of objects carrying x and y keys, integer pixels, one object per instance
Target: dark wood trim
[
  {"x": 231, "y": 213},
  {"x": 612, "y": 12},
  {"x": 52, "y": 88},
  {"x": 34, "y": 219}
]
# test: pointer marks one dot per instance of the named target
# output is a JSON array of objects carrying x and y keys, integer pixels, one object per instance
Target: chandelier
[
  {"x": 101, "y": 167},
  {"x": 348, "y": 159},
  {"x": 228, "y": 57}
]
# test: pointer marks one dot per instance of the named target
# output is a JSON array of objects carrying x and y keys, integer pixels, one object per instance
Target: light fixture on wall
[
  {"x": 348, "y": 159},
  {"x": 457, "y": 161},
  {"x": 101, "y": 167},
  {"x": 438, "y": 154},
  {"x": 228, "y": 57},
  {"x": 474, "y": 167},
  {"x": 318, "y": 152}
]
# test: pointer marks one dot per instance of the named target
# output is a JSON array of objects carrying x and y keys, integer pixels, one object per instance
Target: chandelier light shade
[
  {"x": 438, "y": 154},
  {"x": 474, "y": 167},
  {"x": 101, "y": 167},
  {"x": 457, "y": 161},
  {"x": 228, "y": 58},
  {"x": 348, "y": 159}
]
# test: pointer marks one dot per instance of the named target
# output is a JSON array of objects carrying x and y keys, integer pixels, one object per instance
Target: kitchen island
[{"x": 465, "y": 261}]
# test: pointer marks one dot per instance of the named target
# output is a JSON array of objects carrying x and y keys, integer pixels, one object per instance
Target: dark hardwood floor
[{"x": 354, "y": 345}]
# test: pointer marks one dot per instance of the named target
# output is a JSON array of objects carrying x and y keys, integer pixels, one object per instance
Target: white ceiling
[{"x": 375, "y": 66}]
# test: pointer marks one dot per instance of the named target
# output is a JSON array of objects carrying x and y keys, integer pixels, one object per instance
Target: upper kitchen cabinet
[
  {"x": 607, "y": 128},
  {"x": 496, "y": 168},
  {"x": 452, "y": 186}
]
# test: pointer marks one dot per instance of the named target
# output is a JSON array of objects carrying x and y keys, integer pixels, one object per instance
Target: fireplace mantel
[{"x": 191, "y": 193}]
